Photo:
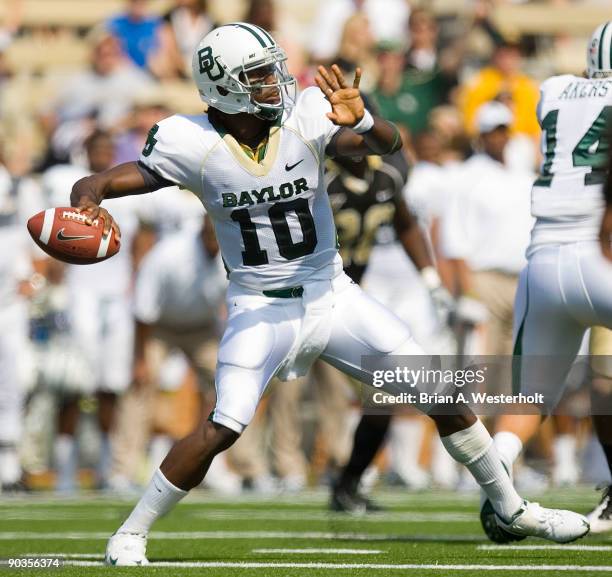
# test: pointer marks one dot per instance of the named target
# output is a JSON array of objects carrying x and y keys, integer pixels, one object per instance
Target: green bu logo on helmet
[{"x": 207, "y": 64}]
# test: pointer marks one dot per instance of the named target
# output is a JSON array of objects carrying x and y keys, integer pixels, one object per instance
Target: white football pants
[
  {"x": 103, "y": 329},
  {"x": 563, "y": 290},
  {"x": 261, "y": 330},
  {"x": 13, "y": 342}
]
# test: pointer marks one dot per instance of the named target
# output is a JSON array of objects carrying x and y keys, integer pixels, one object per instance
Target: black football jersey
[{"x": 361, "y": 206}]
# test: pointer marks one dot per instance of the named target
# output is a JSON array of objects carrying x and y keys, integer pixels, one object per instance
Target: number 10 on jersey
[{"x": 253, "y": 255}]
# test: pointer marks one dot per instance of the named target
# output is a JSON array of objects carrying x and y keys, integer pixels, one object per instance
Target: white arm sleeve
[
  {"x": 313, "y": 124},
  {"x": 175, "y": 149}
]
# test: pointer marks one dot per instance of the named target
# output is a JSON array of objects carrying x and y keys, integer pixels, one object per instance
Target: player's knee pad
[{"x": 238, "y": 394}]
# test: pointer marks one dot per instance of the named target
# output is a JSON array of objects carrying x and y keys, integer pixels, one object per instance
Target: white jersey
[
  {"x": 567, "y": 197},
  {"x": 486, "y": 219},
  {"x": 178, "y": 285},
  {"x": 19, "y": 200},
  {"x": 113, "y": 276},
  {"x": 273, "y": 219}
]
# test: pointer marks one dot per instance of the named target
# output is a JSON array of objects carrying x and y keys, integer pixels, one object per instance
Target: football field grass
[{"x": 419, "y": 534}]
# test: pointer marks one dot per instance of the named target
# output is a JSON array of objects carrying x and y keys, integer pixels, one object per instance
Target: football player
[
  {"x": 255, "y": 160},
  {"x": 366, "y": 195},
  {"x": 102, "y": 291},
  {"x": 20, "y": 198},
  {"x": 565, "y": 287}
]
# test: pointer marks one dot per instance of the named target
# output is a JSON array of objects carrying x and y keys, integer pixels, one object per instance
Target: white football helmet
[
  {"x": 599, "y": 51},
  {"x": 229, "y": 64}
]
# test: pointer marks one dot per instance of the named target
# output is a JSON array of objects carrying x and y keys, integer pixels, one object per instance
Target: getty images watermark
[
  {"x": 489, "y": 385},
  {"x": 427, "y": 378}
]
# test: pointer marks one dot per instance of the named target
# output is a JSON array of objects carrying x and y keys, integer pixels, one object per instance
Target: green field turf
[{"x": 419, "y": 534}]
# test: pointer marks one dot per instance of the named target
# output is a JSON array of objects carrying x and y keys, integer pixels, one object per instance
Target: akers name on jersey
[
  {"x": 567, "y": 196},
  {"x": 273, "y": 218}
]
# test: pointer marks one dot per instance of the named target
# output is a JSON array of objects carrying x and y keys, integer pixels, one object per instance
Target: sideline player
[
  {"x": 256, "y": 162},
  {"x": 19, "y": 198},
  {"x": 365, "y": 195},
  {"x": 102, "y": 292},
  {"x": 565, "y": 288}
]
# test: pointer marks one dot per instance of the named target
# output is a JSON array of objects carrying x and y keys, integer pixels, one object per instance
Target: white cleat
[
  {"x": 126, "y": 550},
  {"x": 600, "y": 518},
  {"x": 556, "y": 525}
]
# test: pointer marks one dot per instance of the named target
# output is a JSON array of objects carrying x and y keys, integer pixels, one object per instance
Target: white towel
[{"x": 314, "y": 333}]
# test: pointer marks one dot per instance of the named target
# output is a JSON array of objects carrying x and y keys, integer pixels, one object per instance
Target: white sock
[
  {"x": 566, "y": 470},
  {"x": 473, "y": 447},
  {"x": 10, "y": 469},
  {"x": 159, "y": 498},
  {"x": 65, "y": 457},
  {"x": 509, "y": 447},
  {"x": 564, "y": 449}
]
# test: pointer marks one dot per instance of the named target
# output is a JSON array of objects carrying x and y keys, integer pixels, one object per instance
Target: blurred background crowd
[{"x": 106, "y": 365}]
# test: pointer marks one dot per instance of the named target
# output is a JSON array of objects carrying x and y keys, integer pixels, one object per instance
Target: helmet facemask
[
  {"x": 269, "y": 80},
  {"x": 253, "y": 78}
]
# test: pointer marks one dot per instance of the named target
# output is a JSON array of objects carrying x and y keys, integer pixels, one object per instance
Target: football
[{"x": 62, "y": 233}]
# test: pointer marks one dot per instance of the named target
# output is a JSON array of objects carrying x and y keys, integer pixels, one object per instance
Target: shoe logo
[
  {"x": 113, "y": 561},
  {"x": 292, "y": 166},
  {"x": 62, "y": 236}
]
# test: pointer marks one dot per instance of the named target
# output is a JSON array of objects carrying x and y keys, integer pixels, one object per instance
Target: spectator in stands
[
  {"x": 357, "y": 49},
  {"x": 412, "y": 83},
  {"x": 149, "y": 109},
  {"x": 485, "y": 229},
  {"x": 8, "y": 29},
  {"x": 387, "y": 17},
  {"x": 183, "y": 26},
  {"x": 447, "y": 123},
  {"x": 137, "y": 31},
  {"x": 503, "y": 79},
  {"x": 102, "y": 95},
  {"x": 263, "y": 13}
]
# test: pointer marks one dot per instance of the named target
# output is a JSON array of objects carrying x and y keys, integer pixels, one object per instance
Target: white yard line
[
  {"x": 301, "y": 515},
  {"x": 312, "y": 497},
  {"x": 321, "y": 551},
  {"x": 183, "y": 535},
  {"x": 55, "y": 515},
  {"x": 98, "y": 556},
  {"x": 376, "y": 566},
  {"x": 545, "y": 547},
  {"x": 232, "y": 514}
]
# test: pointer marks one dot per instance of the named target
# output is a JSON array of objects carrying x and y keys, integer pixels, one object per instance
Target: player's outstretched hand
[
  {"x": 92, "y": 211},
  {"x": 347, "y": 104}
]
